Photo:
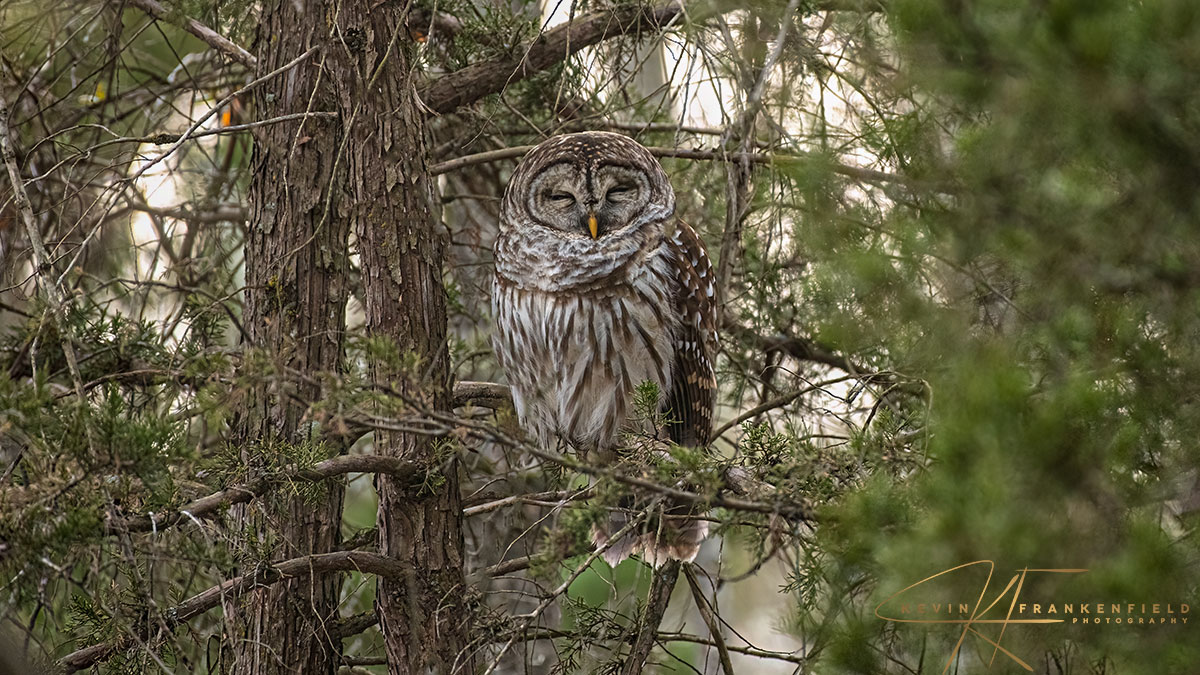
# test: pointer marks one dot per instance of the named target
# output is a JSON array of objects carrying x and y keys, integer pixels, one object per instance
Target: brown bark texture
[
  {"x": 296, "y": 294},
  {"x": 388, "y": 199},
  {"x": 477, "y": 80}
]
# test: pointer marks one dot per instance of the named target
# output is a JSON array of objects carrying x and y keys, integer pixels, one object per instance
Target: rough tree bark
[
  {"x": 295, "y": 298},
  {"x": 388, "y": 198},
  {"x": 312, "y": 184}
]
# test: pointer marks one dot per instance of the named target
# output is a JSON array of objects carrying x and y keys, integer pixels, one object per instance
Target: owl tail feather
[{"x": 671, "y": 536}]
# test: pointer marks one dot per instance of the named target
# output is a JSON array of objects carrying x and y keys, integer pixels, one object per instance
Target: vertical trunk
[
  {"x": 295, "y": 311},
  {"x": 389, "y": 200}
]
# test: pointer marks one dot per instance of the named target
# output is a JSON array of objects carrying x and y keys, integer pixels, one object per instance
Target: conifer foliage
[{"x": 250, "y": 421}]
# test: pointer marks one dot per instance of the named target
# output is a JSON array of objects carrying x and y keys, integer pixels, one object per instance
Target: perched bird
[{"x": 598, "y": 288}]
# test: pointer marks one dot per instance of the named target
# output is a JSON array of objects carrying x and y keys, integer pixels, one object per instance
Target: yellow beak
[{"x": 593, "y": 226}]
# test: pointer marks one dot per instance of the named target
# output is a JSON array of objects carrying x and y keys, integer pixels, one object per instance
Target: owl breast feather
[{"x": 574, "y": 358}]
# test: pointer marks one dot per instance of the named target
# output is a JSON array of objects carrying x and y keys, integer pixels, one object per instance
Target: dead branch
[
  {"x": 656, "y": 607},
  {"x": 209, "y": 36},
  {"x": 240, "y": 494},
  {"x": 482, "y": 394},
  {"x": 707, "y": 613},
  {"x": 465, "y": 86},
  {"x": 777, "y": 402},
  {"x": 305, "y": 566},
  {"x": 779, "y": 159}
]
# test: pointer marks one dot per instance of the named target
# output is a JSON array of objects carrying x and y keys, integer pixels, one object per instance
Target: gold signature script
[{"x": 978, "y": 612}]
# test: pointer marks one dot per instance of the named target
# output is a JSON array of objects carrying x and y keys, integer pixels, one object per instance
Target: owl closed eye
[{"x": 590, "y": 201}]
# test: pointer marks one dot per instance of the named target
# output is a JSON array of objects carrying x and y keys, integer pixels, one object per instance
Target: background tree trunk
[
  {"x": 389, "y": 200},
  {"x": 296, "y": 294}
]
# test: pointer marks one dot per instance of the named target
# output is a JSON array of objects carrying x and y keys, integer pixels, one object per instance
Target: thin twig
[
  {"x": 209, "y": 36},
  {"x": 781, "y": 159},
  {"x": 778, "y": 402},
  {"x": 304, "y": 566},
  {"x": 132, "y": 180},
  {"x": 44, "y": 267},
  {"x": 245, "y": 492},
  {"x": 443, "y": 424},
  {"x": 748, "y": 651},
  {"x": 706, "y": 613},
  {"x": 553, "y": 634},
  {"x": 467, "y": 85},
  {"x": 561, "y": 496},
  {"x": 739, "y": 173},
  {"x": 162, "y": 137},
  {"x": 528, "y": 619}
]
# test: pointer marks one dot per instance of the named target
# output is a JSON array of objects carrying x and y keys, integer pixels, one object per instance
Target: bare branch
[
  {"x": 164, "y": 138},
  {"x": 482, "y": 394},
  {"x": 706, "y": 613},
  {"x": 550, "y": 597},
  {"x": 796, "y": 510},
  {"x": 305, "y": 566},
  {"x": 748, "y": 651},
  {"x": 239, "y": 494},
  {"x": 656, "y": 606},
  {"x": 501, "y": 568},
  {"x": 42, "y": 261},
  {"x": 465, "y": 86},
  {"x": 779, "y": 159},
  {"x": 554, "y": 634},
  {"x": 795, "y": 347},
  {"x": 209, "y": 36},
  {"x": 556, "y": 496},
  {"x": 442, "y": 424},
  {"x": 738, "y": 175},
  {"x": 217, "y": 213},
  {"x": 353, "y": 625},
  {"x": 777, "y": 402}
]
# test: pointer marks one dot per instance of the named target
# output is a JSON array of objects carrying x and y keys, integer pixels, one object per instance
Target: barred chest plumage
[{"x": 574, "y": 356}]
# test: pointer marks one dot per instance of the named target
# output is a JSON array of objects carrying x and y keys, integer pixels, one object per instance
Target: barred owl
[{"x": 598, "y": 288}]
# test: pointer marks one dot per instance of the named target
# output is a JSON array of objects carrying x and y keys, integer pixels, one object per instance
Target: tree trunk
[
  {"x": 389, "y": 201},
  {"x": 296, "y": 294}
]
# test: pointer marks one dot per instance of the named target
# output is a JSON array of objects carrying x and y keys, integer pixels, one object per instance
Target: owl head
[{"x": 591, "y": 186}]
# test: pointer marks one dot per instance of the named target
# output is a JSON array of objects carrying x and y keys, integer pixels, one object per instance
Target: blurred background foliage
[
  {"x": 1061, "y": 356},
  {"x": 961, "y": 320}
]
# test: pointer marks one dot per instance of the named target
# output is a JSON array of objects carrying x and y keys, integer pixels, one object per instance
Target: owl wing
[{"x": 689, "y": 403}]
